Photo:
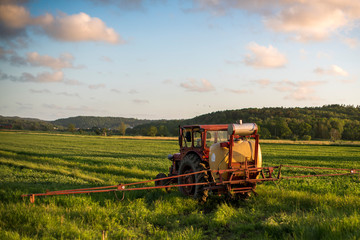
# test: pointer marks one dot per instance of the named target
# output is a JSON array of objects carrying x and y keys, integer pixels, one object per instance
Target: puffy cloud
[
  {"x": 307, "y": 20},
  {"x": 299, "y": 91},
  {"x": 193, "y": 85},
  {"x": 45, "y": 77},
  {"x": 333, "y": 70},
  {"x": 15, "y": 19},
  {"x": 64, "y": 61},
  {"x": 264, "y": 57},
  {"x": 78, "y": 27},
  {"x": 310, "y": 21}
]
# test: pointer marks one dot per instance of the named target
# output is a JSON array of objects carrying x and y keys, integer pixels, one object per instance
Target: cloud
[
  {"x": 40, "y": 91},
  {"x": 133, "y": 91},
  {"x": 78, "y": 27},
  {"x": 313, "y": 21},
  {"x": 64, "y": 61},
  {"x": 128, "y": 5},
  {"x": 68, "y": 94},
  {"x": 167, "y": 81},
  {"x": 45, "y": 77},
  {"x": 305, "y": 20},
  {"x": 16, "y": 19},
  {"x": 263, "y": 82},
  {"x": 106, "y": 59},
  {"x": 77, "y": 109},
  {"x": 115, "y": 90},
  {"x": 73, "y": 82},
  {"x": 299, "y": 91},
  {"x": 97, "y": 86},
  {"x": 140, "y": 101},
  {"x": 193, "y": 86},
  {"x": 333, "y": 70},
  {"x": 237, "y": 91},
  {"x": 351, "y": 42},
  {"x": 13, "y": 20},
  {"x": 264, "y": 57}
]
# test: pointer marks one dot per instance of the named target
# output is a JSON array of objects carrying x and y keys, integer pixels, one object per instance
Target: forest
[{"x": 329, "y": 122}]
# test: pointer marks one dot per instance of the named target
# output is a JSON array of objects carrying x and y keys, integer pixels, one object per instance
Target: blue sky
[{"x": 162, "y": 59}]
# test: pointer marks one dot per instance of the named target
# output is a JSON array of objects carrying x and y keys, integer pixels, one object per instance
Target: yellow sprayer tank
[{"x": 219, "y": 156}]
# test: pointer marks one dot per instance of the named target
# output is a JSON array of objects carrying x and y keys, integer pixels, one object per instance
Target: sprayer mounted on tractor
[{"x": 218, "y": 159}]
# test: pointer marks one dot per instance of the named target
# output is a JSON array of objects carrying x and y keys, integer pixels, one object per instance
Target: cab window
[
  {"x": 187, "y": 138},
  {"x": 197, "y": 139}
]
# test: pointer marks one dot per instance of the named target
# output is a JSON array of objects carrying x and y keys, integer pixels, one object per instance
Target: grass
[{"x": 314, "y": 208}]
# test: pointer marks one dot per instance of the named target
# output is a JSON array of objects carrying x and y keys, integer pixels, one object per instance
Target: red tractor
[{"x": 212, "y": 150}]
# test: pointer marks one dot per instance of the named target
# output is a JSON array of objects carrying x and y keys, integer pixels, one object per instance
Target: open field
[{"x": 314, "y": 208}]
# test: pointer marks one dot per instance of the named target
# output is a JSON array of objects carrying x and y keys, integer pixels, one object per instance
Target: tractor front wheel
[{"x": 189, "y": 164}]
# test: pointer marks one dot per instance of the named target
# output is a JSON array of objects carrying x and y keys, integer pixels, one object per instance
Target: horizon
[
  {"x": 357, "y": 106},
  {"x": 161, "y": 59}
]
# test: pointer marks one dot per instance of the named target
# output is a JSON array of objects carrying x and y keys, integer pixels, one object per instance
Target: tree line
[{"x": 330, "y": 122}]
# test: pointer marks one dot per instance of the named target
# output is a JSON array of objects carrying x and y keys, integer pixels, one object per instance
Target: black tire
[{"x": 192, "y": 163}]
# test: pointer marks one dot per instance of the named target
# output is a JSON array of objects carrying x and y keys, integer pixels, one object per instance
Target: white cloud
[
  {"x": 193, "y": 85},
  {"x": 78, "y": 27},
  {"x": 64, "y": 61},
  {"x": 15, "y": 19},
  {"x": 14, "y": 16},
  {"x": 306, "y": 20},
  {"x": 264, "y": 57},
  {"x": 299, "y": 91},
  {"x": 45, "y": 77},
  {"x": 333, "y": 70}
]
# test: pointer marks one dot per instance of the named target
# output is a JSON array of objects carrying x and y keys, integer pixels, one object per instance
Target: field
[{"x": 313, "y": 208}]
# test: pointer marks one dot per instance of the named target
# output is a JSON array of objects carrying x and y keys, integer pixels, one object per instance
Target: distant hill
[
  {"x": 332, "y": 122},
  {"x": 326, "y": 122},
  {"x": 86, "y": 122}
]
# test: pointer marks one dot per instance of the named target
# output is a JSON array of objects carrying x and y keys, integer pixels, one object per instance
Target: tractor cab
[{"x": 196, "y": 140}]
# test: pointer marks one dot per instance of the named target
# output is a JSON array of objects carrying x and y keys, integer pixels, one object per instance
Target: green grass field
[{"x": 313, "y": 208}]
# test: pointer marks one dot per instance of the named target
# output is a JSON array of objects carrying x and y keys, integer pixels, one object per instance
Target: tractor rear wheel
[{"x": 189, "y": 164}]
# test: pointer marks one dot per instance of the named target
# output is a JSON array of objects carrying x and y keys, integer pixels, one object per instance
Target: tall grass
[{"x": 316, "y": 208}]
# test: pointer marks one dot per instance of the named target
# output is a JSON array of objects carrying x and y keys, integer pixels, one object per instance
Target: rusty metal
[{"x": 267, "y": 175}]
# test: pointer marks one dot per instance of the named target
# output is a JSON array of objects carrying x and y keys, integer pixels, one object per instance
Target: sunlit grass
[{"x": 313, "y": 208}]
